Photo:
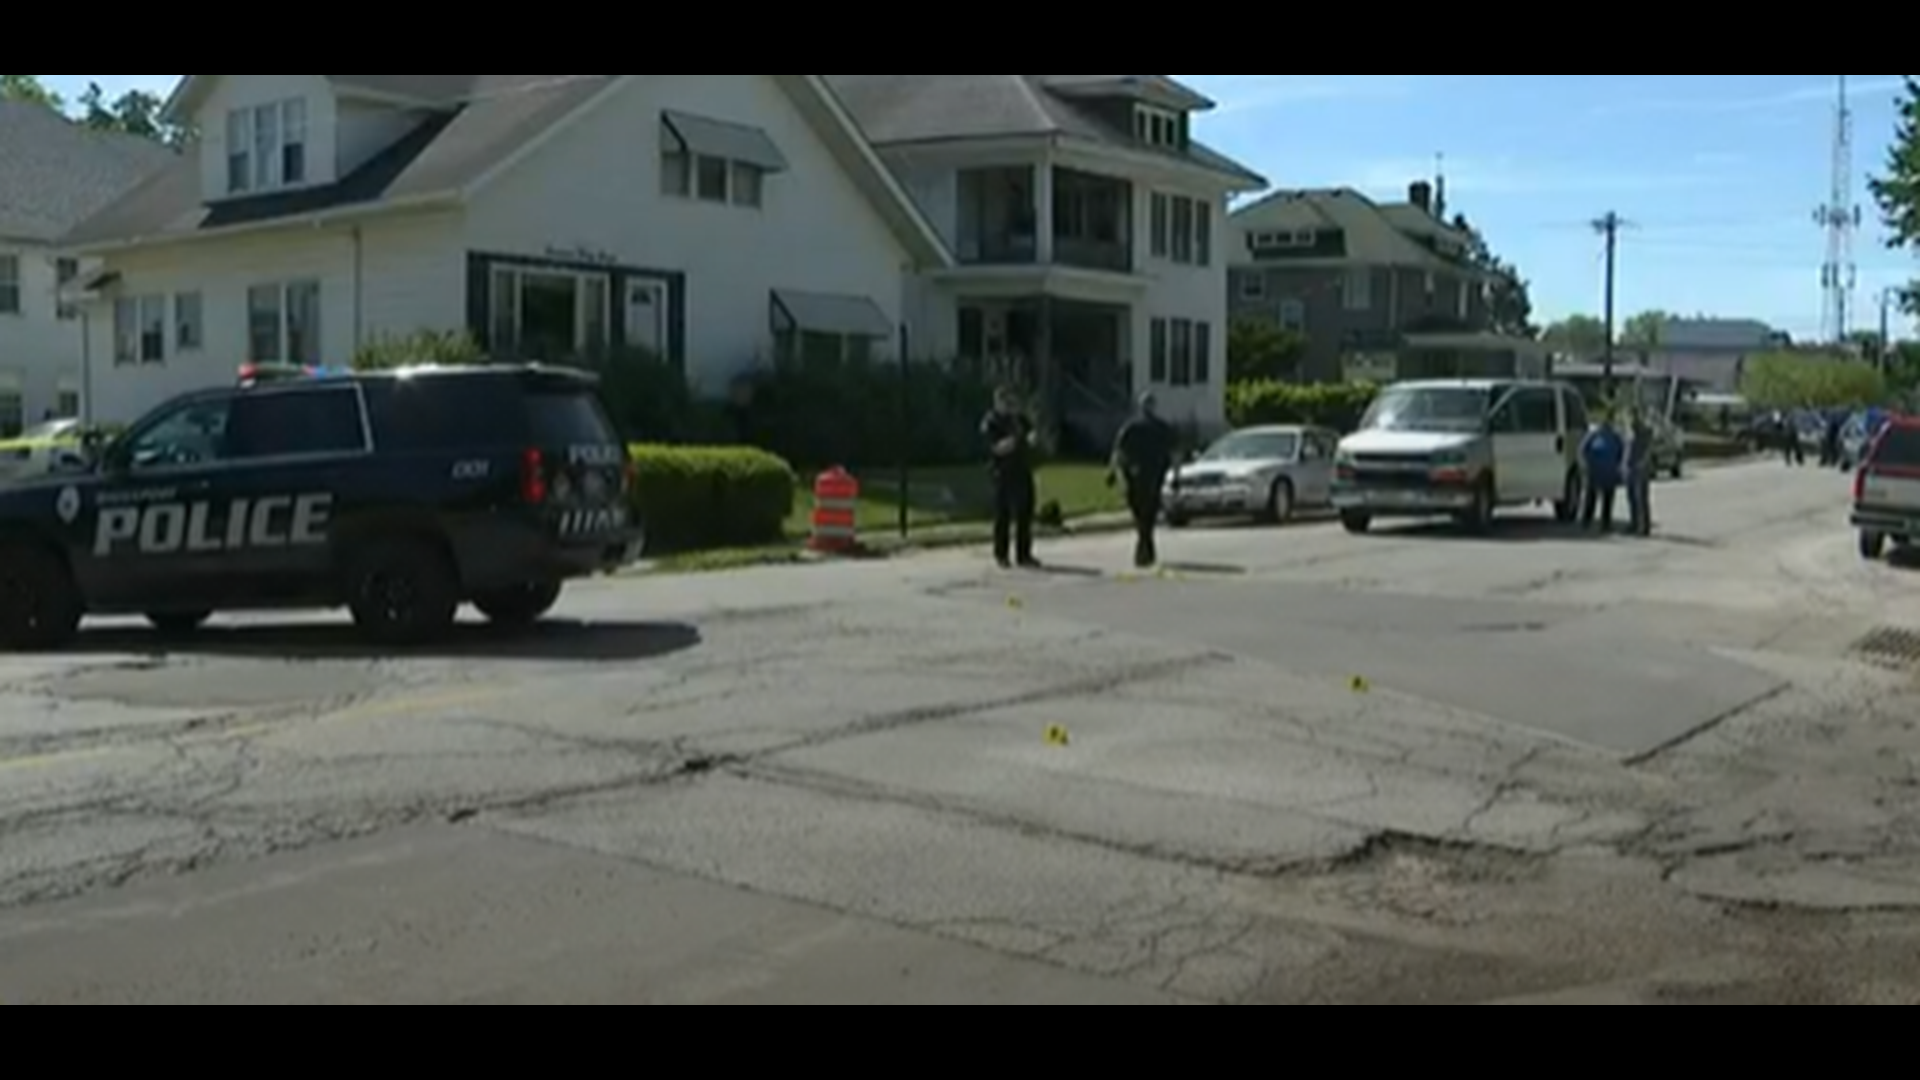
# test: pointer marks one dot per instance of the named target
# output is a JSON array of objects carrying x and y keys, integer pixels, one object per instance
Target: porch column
[
  {"x": 1043, "y": 210},
  {"x": 1047, "y": 373}
]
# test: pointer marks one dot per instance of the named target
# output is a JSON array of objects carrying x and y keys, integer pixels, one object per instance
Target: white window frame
[
  {"x": 1180, "y": 352},
  {"x": 1356, "y": 292},
  {"x": 136, "y": 342},
  {"x": 189, "y": 322},
  {"x": 592, "y": 306},
  {"x": 745, "y": 184},
  {"x": 1157, "y": 127},
  {"x": 1293, "y": 315},
  {"x": 1188, "y": 230},
  {"x": 268, "y": 147},
  {"x": 12, "y": 291},
  {"x": 285, "y": 293}
]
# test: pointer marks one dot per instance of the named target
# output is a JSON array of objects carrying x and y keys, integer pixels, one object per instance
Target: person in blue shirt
[{"x": 1604, "y": 455}]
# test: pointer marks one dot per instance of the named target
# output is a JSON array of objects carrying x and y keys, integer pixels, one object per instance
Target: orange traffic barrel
[{"x": 836, "y": 508}]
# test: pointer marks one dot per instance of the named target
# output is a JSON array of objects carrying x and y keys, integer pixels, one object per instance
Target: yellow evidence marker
[
  {"x": 1360, "y": 685},
  {"x": 1014, "y": 603},
  {"x": 1059, "y": 738}
]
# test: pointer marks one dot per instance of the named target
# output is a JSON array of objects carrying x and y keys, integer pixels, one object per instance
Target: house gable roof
[
  {"x": 1375, "y": 234},
  {"x": 897, "y": 110},
  {"x": 482, "y": 126},
  {"x": 55, "y": 173}
]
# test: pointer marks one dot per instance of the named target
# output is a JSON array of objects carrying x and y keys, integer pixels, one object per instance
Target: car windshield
[
  {"x": 1449, "y": 409},
  {"x": 1255, "y": 446}
]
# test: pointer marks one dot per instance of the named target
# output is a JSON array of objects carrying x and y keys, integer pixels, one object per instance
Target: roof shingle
[
  {"x": 900, "y": 109},
  {"x": 55, "y": 173}
]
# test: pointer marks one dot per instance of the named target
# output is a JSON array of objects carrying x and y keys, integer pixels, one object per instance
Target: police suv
[{"x": 397, "y": 495}]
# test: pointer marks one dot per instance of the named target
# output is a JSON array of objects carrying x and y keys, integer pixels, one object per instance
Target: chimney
[{"x": 1420, "y": 194}]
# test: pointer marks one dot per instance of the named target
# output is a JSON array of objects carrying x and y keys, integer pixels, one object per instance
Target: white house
[
  {"x": 1089, "y": 227},
  {"x": 718, "y": 220},
  {"x": 53, "y": 174}
]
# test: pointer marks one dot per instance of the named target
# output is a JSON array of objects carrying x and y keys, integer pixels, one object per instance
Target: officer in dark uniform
[
  {"x": 1009, "y": 436},
  {"x": 1143, "y": 458}
]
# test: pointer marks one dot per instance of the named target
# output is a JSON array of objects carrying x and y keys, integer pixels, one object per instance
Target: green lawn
[{"x": 961, "y": 496}]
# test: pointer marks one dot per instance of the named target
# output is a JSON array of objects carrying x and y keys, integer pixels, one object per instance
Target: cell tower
[{"x": 1841, "y": 219}]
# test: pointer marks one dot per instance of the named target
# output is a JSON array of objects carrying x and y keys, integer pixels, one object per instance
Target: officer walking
[
  {"x": 1640, "y": 469},
  {"x": 1143, "y": 458},
  {"x": 1603, "y": 454},
  {"x": 1009, "y": 436}
]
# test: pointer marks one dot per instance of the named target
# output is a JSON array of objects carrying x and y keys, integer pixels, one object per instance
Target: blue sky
[{"x": 1718, "y": 174}]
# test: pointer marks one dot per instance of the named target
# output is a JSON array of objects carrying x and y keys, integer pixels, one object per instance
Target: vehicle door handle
[{"x": 1560, "y": 445}]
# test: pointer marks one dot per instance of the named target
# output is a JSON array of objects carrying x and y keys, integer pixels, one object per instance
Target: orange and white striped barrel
[{"x": 836, "y": 508}]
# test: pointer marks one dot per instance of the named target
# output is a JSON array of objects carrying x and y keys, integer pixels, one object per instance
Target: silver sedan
[{"x": 1270, "y": 473}]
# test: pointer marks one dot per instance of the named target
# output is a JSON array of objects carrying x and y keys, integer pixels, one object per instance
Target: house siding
[
  {"x": 595, "y": 188},
  {"x": 392, "y": 275},
  {"x": 39, "y": 353},
  {"x": 1400, "y": 303}
]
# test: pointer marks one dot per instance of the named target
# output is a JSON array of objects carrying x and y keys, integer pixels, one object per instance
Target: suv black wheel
[
  {"x": 40, "y": 605},
  {"x": 1479, "y": 520},
  {"x": 1873, "y": 546},
  {"x": 402, "y": 591},
  {"x": 1566, "y": 511},
  {"x": 175, "y": 623},
  {"x": 1355, "y": 523},
  {"x": 521, "y": 605}
]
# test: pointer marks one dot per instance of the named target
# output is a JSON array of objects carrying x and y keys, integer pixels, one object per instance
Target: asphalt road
[{"x": 1298, "y": 768}]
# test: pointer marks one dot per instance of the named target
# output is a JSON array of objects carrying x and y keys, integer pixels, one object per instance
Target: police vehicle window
[
  {"x": 1536, "y": 411},
  {"x": 192, "y": 434},
  {"x": 296, "y": 424},
  {"x": 573, "y": 418},
  {"x": 454, "y": 412}
]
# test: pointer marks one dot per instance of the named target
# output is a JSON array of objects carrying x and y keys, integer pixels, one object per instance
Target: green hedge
[
  {"x": 695, "y": 498},
  {"x": 1334, "y": 405}
]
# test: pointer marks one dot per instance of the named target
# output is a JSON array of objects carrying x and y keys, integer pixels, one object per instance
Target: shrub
[
  {"x": 857, "y": 416},
  {"x": 1334, "y": 405},
  {"x": 694, "y": 498}
]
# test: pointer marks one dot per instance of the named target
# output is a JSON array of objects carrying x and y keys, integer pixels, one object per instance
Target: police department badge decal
[{"x": 67, "y": 505}]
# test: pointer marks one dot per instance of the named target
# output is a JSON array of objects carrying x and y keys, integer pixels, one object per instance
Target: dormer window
[
  {"x": 1161, "y": 128},
  {"x": 267, "y": 147}
]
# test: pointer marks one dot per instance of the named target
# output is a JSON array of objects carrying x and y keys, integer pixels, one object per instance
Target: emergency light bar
[{"x": 255, "y": 374}]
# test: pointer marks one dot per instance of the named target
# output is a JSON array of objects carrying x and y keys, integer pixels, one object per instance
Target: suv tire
[
  {"x": 1873, "y": 546},
  {"x": 1355, "y": 523},
  {"x": 1567, "y": 509},
  {"x": 522, "y": 605},
  {"x": 1479, "y": 520},
  {"x": 40, "y": 605},
  {"x": 402, "y": 591},
  {"x": 178, "y": 623}
]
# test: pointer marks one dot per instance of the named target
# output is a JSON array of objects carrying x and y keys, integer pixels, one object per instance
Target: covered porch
[{"x": 1073, "y": 357}]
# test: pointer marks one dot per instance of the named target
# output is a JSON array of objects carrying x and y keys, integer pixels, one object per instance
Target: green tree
[
  {"x": 1897, "y": 189},
  {"x": 29, "y": 88},
  {"x": 1645, "y": 330},
  {"x": 1583, "y": 336},
  {"x": 1509, "y": 295},
  {"x": 1259, "y": 350},
  {"x": 1812, "y": 381},
  {"x": 135, "y": 112}
]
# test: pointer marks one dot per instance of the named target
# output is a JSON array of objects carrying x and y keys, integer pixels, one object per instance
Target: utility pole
[
  {"x": 1609, "y": 227},
  {"x": 1886, "y": 330},
  {"x": 1841, "y": 220}
]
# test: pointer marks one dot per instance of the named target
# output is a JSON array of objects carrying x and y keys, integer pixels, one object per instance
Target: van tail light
[
  {"x": 533, "y": 478},
  {"x": 1860, "y": 484}
]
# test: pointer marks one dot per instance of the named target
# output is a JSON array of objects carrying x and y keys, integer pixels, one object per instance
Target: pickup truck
[{"x": 1886, "y": 490}]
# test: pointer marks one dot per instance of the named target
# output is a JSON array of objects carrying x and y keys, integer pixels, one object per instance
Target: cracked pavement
[{"x": 1300, "y": 768}]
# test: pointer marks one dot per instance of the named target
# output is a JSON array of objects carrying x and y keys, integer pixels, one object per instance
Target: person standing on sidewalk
[
  {"x": 1640, "y": 469},
  {"x": 1010, "y": 439},
  {"x": 1143, "y": 458},
  {"x": 1604, "y": 455}
]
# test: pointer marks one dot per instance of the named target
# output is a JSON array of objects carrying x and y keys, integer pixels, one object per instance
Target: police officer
[
  {"x": 1640, "y": 466},
  {"x": 1009, "y": 436},
  {"x": 1143, "y": 457}
]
